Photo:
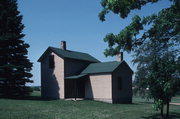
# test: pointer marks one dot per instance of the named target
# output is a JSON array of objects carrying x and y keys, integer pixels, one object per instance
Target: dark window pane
[
  {"x": 51, "y": 61},
  {"x": 120, "y": 83}
]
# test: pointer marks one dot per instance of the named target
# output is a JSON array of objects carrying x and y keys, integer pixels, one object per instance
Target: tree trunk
[
  {"x": 167, "y": 111},
  {"x": 162, "y": 109}
]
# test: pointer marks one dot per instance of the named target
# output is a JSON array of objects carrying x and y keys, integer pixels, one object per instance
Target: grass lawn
[{"x": 34, "y": 108}]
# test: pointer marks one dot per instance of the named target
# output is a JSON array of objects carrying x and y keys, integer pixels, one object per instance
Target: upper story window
[
  {"x": 119, "y": 83},
  {"x": 51, "y": 61}
]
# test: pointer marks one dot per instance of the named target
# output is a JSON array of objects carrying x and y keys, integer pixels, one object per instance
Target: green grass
[
  {"x": 34, "y": 108},
  {"x": 176, "y": 99}
]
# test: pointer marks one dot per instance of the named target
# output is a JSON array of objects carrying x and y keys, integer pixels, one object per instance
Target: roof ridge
[
  {"x": 69, "y": 50},
  {"x": 102, "y": 67},
  {"x": 107, "y": 62},
  {"x": 70, "y": 54}
]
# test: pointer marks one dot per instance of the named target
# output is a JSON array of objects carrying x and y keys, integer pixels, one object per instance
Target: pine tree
[{"x": 15, "y": 66}]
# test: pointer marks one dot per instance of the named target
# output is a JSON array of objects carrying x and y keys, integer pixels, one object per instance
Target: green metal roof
[
  {"x": 69, "y": 54},
  {"x": 104, "y": 67},
  {"x": 76, "y": 76}
]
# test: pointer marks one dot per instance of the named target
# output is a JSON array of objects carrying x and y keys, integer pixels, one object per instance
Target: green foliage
[
  {"x": 125, "y": 40},
  {"x": 155, "y": 42},
  {"x": 150, "y": 27},
  {"x": 15, "y": 67},
  {"x": 158, "y": 105},
  {"x": 158, "y": 69},
  {"x": 121, "y": 7}
]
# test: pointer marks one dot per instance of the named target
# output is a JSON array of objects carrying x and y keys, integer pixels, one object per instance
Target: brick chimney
[
  {"x": 63, "y": 45},
  {"x": 120, "y": 56}
]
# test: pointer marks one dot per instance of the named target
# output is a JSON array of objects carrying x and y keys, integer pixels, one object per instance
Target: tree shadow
[
  {"x": 30, "y": 98},
  {"x": 134, "y": 103},
  {"x": 49, "y": 85},
  {"x": 35, "y": 98},
  {"x": 144, "y": 102},
  {"x": 173, "y": 115}
]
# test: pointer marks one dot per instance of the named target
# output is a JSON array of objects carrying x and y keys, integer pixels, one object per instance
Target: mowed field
[{"x": 35, "y": 108}]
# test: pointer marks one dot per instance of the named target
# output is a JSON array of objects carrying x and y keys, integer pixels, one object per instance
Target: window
[
  {"x": 51, "y": 61},
  {"x": 119, "y": 83}
]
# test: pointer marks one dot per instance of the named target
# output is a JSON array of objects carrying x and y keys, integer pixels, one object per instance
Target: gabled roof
[
  {"x": 104, "y": 67},
  {"x": 69, "y": 54}
]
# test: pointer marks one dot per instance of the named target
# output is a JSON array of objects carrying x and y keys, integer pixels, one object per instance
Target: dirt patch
[{"x": 175, "y": 104}]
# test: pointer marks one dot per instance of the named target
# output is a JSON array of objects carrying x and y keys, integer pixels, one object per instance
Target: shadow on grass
[
  {"x": 172, "y": 115},
  {"x": 31, "y": 98},
  {"x": 141, "y": 102},
  {"x": 146, "y": 102}
]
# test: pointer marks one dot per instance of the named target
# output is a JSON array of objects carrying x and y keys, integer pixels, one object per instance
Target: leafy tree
[
  {"x": 159, "y": 71},
  {"x": 121, "y": 7},
  {"x": 155, "y": 41},
  {"x": 15, "y": 66}
]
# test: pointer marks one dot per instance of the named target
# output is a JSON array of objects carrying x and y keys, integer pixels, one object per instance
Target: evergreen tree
[{"x": 15, "y": 66}]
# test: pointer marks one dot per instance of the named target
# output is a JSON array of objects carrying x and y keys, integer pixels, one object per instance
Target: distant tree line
[{"x": 36, "y": 88}]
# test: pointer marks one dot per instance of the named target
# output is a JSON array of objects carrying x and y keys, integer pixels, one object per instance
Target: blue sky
[{"x": 47, "y": 22}]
